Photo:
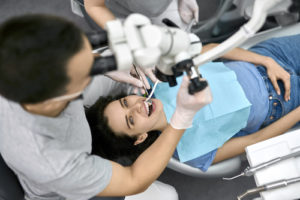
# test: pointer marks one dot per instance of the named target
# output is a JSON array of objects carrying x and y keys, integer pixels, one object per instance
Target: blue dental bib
[{"x": 215, "y": 123}]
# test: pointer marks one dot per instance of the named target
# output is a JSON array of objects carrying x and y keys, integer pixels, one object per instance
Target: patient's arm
[
  {"x": 241, "y": 54},
  {"x": 274, "y": 70},
  {"x": 146, "y": 169},
  {"x": 236, "y": 146}
]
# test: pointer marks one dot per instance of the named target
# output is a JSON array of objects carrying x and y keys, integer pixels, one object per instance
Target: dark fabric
[{"x": 10, "y": 188}]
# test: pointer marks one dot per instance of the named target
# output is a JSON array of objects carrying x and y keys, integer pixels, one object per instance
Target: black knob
[
  {"x": 169, "y": 23},
  {"x": 196, "y": 85},
  {"x": 98, "y": 39}
]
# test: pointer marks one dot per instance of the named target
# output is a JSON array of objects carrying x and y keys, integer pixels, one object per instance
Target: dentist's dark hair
[
  {"x": 34, "y": 52},
  {"x": 108, "y": 144}
]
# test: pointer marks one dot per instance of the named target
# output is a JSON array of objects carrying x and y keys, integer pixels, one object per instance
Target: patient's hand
[
  {"x": 275, "y": 73},
  {"x": 274, "y": 70}
]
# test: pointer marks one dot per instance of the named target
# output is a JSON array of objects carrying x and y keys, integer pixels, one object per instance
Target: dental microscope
[{"x": 138, "y": 42}]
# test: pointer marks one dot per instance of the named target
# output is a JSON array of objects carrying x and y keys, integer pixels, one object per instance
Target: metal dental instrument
[
  {"x": 190, "y": 25},
  {"x": 141, "y": 79},
  {"x": 249, "y": 171},
  {"x": 270, "y": 186},
  {"x": 144, "y": 85}
]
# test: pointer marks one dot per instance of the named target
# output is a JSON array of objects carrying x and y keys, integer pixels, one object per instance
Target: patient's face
[{"x": 131, "y": 115}]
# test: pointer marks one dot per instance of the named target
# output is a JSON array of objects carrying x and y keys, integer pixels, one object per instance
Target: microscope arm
[{"x": 260, "y": 11}]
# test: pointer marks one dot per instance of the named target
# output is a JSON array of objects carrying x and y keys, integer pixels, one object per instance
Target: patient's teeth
[
  {"x": 147, "y": 107},
  {"x": 150, "y": 109}
]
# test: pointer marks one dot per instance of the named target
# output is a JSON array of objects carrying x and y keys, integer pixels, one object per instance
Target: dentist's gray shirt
[
  {"x": 51, "y": 156},
  {"x": 150, "y": 8}
]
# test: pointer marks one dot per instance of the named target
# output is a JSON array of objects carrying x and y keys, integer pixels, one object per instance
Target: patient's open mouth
[{"x": 149, "y": 107}]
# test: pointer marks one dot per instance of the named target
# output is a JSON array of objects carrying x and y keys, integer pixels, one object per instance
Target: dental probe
[
  {"x": 249, "y": 171},
  {"x": 270, "y": 186},
  {"x": 148, "y": 100},
  {"x": 189, "y": 26},
  {"x": 152, "y": 92}
]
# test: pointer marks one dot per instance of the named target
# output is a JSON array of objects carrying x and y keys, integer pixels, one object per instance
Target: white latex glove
[
  {"x": 188, "y": 105},
  {"x": 131, "y": 78},
  {"x": 144, "y": 73},
  {"x": 150, "y": 73},
  {"x": 125, "y": 77},
  {"x": 188, "y": 10}
]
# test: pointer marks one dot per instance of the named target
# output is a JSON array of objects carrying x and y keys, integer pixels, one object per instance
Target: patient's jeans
[{"x": 286, "y": 52}]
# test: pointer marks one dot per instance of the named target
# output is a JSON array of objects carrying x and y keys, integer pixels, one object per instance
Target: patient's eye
[
  {"x": 125, "y": 102},
  {"x": 131, "y": 120}
]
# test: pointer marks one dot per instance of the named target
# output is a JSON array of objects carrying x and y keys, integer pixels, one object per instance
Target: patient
[{"x": 124, "y": 126}]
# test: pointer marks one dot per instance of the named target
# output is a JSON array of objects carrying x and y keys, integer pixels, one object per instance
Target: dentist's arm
[
  {"x": 150, "y": 164},
  {"x": 236, "y": 146},
  {"x": 274, "y": 70},
  {"x": 98, "y": 12}
]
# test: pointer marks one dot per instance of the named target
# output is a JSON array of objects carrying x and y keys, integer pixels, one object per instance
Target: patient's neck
[{"x": 163, "y": 123}]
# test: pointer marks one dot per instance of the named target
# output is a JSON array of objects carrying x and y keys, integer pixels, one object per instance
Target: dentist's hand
[
  {"x": 188, "y": 10},
  {"x": 150, "y": 73},
  {"x": 144, "y": 73},
  {"x": 132, "y": 78},
  {"x": 188, "y": 105},
  {"x": 124, "y": 77}
]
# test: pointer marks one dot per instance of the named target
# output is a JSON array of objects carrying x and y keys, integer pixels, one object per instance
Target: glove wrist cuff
[{"x": 182, "y": 119}]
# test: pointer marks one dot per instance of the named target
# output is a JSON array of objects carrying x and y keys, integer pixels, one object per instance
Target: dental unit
[
  {"x": 249, "y": 171},
  {"x": 270, "y": 186}
]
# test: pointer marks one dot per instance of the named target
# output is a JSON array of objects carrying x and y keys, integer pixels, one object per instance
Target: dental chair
[
  {"x": 10, "y": 188},
  {"x": 221, "y": 169}
]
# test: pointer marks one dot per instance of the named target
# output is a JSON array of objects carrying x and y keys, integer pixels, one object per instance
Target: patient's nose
[{"x": 137, "y": 107}]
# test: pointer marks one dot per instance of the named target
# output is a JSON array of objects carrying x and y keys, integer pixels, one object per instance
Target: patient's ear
[{"x": 141, "y": 138}]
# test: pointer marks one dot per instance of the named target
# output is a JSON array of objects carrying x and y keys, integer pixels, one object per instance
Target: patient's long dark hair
[{"x": 106, "y": 143}]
